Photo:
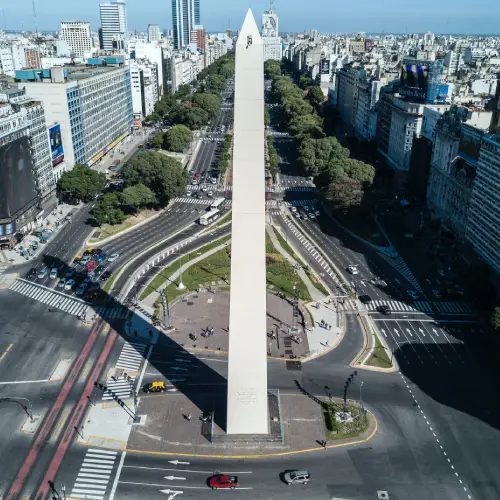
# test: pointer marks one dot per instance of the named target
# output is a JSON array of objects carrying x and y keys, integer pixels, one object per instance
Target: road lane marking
[
  {"x": 182, "y": 486},
  {"x": 184, "y": 470},
  {"x": 25, "y": 382},
  {"x": 118, "y": 472},
  {"x": 6, "y": 352}
]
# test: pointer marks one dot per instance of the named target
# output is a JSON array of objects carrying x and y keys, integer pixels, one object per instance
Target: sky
[{"x": 417, "y": 16}]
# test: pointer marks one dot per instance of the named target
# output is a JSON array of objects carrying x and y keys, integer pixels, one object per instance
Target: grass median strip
[
  {"x": 356, "y": 424},
  {"x": 379, "y": 357}
]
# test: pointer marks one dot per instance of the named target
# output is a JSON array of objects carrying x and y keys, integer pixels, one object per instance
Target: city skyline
[{"x": 294, "y": 17}]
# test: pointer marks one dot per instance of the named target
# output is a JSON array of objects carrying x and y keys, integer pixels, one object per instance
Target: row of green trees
[
  {"x": 225, "y": 157},
  {"x": 344, "y": 180},
  {"x": 176, "y": 138},
  {"x": 273, "y": 157}
]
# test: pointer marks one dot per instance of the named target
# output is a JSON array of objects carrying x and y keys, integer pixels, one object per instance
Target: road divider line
[
  {"x": 6, "y": 352},
  {"x": 117, "y": 477},
  {"x": 185, "y": 470},
  {"x": 181, "y": 486}
]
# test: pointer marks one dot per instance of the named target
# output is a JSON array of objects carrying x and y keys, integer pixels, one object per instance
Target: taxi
[{"x": 154, "y": 387}]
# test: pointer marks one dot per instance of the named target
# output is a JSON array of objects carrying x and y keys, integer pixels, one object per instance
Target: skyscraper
[
  {"x": 77, "y": 36},
  {"x": 185, "y": 15},
  {"x": 114, "y": 29},
  {"x": 154, "y": 33}
]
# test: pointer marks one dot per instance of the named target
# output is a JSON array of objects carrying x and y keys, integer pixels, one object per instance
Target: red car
[
  {"x": 223, "y": 481},
  {"x": 90, "y": 266}
]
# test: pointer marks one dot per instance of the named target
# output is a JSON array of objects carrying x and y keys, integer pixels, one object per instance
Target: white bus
[
  {"x": 217, "y": 203},
  {"x": 209, "y": 217}
]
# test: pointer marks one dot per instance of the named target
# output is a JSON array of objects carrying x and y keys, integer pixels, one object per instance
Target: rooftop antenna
[{"x": 34, "y": 17}]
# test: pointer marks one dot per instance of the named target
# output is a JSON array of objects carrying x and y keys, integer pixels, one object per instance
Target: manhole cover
[{"x": 382, "y": 495}]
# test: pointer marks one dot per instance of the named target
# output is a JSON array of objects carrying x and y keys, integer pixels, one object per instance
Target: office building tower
[
  {"x": 185, "y": 15},
  {"x": 270, "y": 36},
  {"x": 154, "y": 33},
  {"x": 144, "y": 84},
  {"x": 93, "y": 105},
  {"x": 77, "y": 36},
  {"x": 114, "y": 29}
]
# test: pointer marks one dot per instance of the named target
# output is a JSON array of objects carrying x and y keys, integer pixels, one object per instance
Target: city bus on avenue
[
  {"x": 209, "y": 217},
  {"x": 217, "y": 203}
]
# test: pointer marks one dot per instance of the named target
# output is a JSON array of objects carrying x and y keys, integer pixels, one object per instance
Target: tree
[
  {"x": 495, "y": 318},
  {"x": 183, "y": 92},
  {"x": 177, "y": 138},
  {"x": 157, "y": 141},
  {"x": 316, "y": 154},
  {"x": 294, "y": 107},
  {"x": 137, "y": 196},
  {"x": 344, "y": 193},
  {"x": 192, "y": 116},
  {"x": 267, "y": 116},
  {"x": 306, "y": 125},
  {"x": 272, "y": 68},
  {"x": 359, "y": 170},
  {"x": 82, "y": 182},
  {"x": 305, "y": 81},
  {"x": 209, "y": 102},
  {"x": 165, "y": 176},
  {"x": 153, "y": 118},
  {"x": 108, "y": 210},
  {"x": 166, "y": 105},
  {"x": 315, "y": 95},
  {"x": 214, "y": 84}
]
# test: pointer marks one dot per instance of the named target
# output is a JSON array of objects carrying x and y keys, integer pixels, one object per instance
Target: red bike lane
[{"x": 50, "y": 420}]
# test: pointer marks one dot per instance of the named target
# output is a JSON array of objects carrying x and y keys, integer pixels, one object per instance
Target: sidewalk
[{"x": 30, "y": 247}]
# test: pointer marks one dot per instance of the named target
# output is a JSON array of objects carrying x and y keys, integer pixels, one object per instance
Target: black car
[
  {"x": 384, "y": 309},
  {"x": 105, "y": 276},
  {"x": 32, "y": 273},
  {"x": 96, "y": 252},
  {"x": 365, "y": 299}
]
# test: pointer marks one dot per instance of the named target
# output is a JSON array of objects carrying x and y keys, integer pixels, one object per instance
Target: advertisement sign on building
[
  {"x": 325, "y": 66},
  {"x": 56, "y": 147},
  {"x": 414, "y": 81}
]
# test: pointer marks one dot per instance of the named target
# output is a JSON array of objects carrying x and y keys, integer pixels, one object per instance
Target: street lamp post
[{"x": 361, "y": 396}]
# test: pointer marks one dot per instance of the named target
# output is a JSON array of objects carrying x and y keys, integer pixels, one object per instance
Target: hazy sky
[{"x": 450, "y": 16}]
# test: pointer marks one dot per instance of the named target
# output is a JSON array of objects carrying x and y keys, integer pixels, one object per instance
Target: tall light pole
[{"x": 361, "y": 396}]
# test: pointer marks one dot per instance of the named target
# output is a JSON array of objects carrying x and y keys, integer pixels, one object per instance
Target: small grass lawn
[
  {"x": 107, "y": 230},
  {"x": 335, "y": 429},
  {"x": 380, "y": 357}
]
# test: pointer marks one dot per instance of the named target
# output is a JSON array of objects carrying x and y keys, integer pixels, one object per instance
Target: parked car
[
  {"x": 70, "y": 272},
  {"x": 62, "y": 283},
  {"x": 69, "y": 284},
  {"x": 101, "y": 257},
  {"x": 90, "y": 266},
  {"x": 81, "y": 289},
  {"x": 53, "y": 274},
  {"x": 42, "y": 273},
  {"x": 223, "y": 481},
  {"x": 32, "y": 273},
  {"x": 297, "y": 477},
  {"x": 105, "y": 276},
  {"x": 113, "y": 257}
]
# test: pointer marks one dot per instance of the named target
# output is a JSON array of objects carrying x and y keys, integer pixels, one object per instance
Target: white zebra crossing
[
  {"x": 398, "y": 306},
  {"x": 131, "y": 357},
  {"x": 94, "y": 475},
  {"x": 113, "y": 312},
  {"x": 452, "y": 308},
  {"x": 52, "y": 298},
  {"x": 122, "y": 387},
  {"x": 400, "y": 265}
]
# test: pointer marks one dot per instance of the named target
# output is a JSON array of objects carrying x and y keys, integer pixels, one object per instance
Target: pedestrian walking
[
  {"x": 324, "y": 443},
  {"x": 189, "y": 417}
]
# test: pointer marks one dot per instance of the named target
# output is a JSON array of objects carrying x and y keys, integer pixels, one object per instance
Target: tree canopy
[
  {"x": 315, "y": 95},
  {"x": 177, "y": 138},
  {"x": 208, "y": 102},
  {"x": 108, "y": 210},
  {"x": 272, "y": 68},
  {"x": 82, "y": 182},
  {"x": 157, "y": 141},
  {"x": 163, "y": 175},
  {"x": 214, "y": 84},
  {"x": 137, "y": 196},
  {"x": 345, "y": 193},
  {"x": 316, "y": 154}
]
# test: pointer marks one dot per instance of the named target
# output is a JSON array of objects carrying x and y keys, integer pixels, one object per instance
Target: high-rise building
[
  {"x": 270, "y": 36},
  {"x": 114, "y": 28},
  {"x": 93, "y": 105},
  {"x": 144, "y": 84},
  {"x": 154, "y": 33},
  {"x": 198, "y": 37},
  {"x": 77, "y": 35},
  {"x": 185, "y": 15}
]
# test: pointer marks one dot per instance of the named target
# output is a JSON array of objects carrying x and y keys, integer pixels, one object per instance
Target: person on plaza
[{"x": 189, "y": 417}]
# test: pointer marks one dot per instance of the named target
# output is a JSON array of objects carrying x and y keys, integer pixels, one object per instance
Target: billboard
[
  {"x": 17, "y": 182},
  {"x": 56, "y": 147},
  {"x": 325, "y": 66},
  {"x": 414, "y": 80}
]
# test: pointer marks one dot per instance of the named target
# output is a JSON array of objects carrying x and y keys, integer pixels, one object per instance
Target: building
[
  {"x": 28, "y": 185},
  {"x": 33, "y": 60},
  {"x": 113, "y": 33},
  {"x": 483, "y": 224},
  {"x": 6, "y": 60},
  {"x": 423, "y": 81},
  {"x": 93, "y": 105},
  {"x": 144, "y": 85},
  {"x": 77, "y": 35},
  {"x": 198, "y": 38},
  {"x": 154, "y": 33},
  {"x": 347, "y": 94},
  {"x": 270, "y": 36},
  {"x": 185, "y": 15},
  {"x": 365, "y": 124},
  {"x": 453, "y": 170}
]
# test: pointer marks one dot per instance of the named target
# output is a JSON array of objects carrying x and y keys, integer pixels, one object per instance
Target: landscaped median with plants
[
  {"x": 280, "y": 275},
  {"x": 379, "y": 357},
  {"x": 356, "y": 423}
]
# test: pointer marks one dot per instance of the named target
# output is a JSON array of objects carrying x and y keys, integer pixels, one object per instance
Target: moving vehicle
[
  {"x": 365, "y": 299},
  {"x": 384, "y": 309},
  {"x": 77, "y": 259},
  {"x": 352, "y": 269},
  {"x": 96, "y": 251},
  {"x": 105, "y": 276},
  {"x": 113, "y": 257},
  {"x": 217, "y": 203},
  {"x": 88, "y": 251},
  {"x": 85, "y": 260},
  {"x": 223, "y": 481},
  {"x": 115, "y": 163},
  {"x": 209, "y": 217},
  {"x": 293, "y": 209},
  {"x": 42, "y": 273},
  {"x": 69, "y": 284},
  {"x": 297, "y": 477},
  {"x": 53, "y": 274},
  {"x": 91, "y": 295},
  {"x": 154, "y": 387}
]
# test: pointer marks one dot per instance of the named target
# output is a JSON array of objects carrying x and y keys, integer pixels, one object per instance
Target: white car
[
  {"x": 352, "y": 270},
  {"x": 293, "y": 209},
  {"x": 53, "y": 274},
  {"x": 113, "y": 257},
  {"x": 62, "y": 283},
  {"x": 413, "y": 294},
  {"x": 69, "y": 284},
  {"x": 204, "y": 189}
]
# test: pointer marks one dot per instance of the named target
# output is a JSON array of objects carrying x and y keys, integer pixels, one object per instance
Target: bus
[
  {"x": 209, "y": 217},
  {"x": 217, "y": 203}
]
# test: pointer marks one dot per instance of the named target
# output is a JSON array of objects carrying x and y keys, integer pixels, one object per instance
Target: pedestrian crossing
[
  {"x": 452, "y": 308},
  {"x": 204, "y": 202},
  {"x": 131, "y": 357},
  {"x": 276, "y": 188},
  {"x": 2, "y": 269},
  {"x": 398, "y": 306},
  {"x": 399, "y": 264},
  {"x": 94, "y": 475},
  {"x": 52, "y": 298},
  {"x": 113, "y": 312},
  {"x": 120, "y": 386},
  {"x": 299, "y": 203},
  {"x": 228, "y": 203}
]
